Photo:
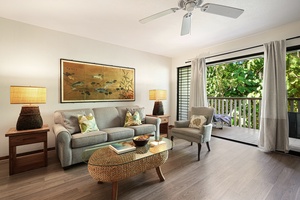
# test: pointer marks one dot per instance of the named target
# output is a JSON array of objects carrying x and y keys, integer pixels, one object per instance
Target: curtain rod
[{"x": 253, "y": 47}]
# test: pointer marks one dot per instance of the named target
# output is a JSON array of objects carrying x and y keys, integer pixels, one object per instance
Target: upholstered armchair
[{"x": 198, "y": 129}]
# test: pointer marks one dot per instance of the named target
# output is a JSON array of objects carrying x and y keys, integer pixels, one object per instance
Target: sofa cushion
[
  {"x": 87, "y": 123},
  {"x": 143, "y": 129},
  {"x": 132, "y": 120},
  {"x": 69, "y": 118},
  {"x": 82, "y": 140},
  {"x": 107, "y": 117},
  {"x": 118, "y": 133}
]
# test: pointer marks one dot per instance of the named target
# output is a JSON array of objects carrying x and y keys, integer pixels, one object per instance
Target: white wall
[
  {"x": 279, "y": 33},
  {"x": 30, "y": 55}
]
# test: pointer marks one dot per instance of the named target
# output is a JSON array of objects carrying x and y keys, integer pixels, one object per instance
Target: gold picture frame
[{"x": 90, "y": 82}]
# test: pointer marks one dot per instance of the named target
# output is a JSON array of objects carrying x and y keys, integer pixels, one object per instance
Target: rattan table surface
[{"x": 104, "y": 156}]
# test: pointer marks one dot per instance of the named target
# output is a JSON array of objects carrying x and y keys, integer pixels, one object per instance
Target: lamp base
[
  {"x": 29, "y": 118},
  {"x": 158, "y": 108}
]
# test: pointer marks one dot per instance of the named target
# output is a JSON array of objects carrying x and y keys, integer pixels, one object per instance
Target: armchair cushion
[
  {"x": 197, "y": 121},
  {"x": 188, "y": 133},
  {"x": 182, "y": 124}
]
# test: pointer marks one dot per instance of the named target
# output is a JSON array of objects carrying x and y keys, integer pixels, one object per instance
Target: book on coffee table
[{"x": 122, "y": 147}]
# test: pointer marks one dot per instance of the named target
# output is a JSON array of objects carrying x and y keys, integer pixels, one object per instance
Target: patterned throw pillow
[
  {"x": 132, "y": 120},
  {"x": 141, "y": 112},
  {"x": 197, "y": 121},
  {"x": 87, "y": 123}
]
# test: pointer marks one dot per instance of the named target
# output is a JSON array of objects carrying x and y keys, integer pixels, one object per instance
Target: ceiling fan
[{"x": 189, "y": 6}]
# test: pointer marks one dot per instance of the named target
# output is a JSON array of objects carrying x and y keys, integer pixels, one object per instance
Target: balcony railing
[{"x": 245, "y": 112}]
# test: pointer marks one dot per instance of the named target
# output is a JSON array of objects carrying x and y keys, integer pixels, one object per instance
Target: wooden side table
[
  {"x": 19, "y": 164},
  {"x": 164, "y": 125}
]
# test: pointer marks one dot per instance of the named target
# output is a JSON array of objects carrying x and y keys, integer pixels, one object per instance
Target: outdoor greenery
[
  {"x": 236, "y": 79},
  {"x": 244, "y": 78},
  {"x": 293, "y": 74}
]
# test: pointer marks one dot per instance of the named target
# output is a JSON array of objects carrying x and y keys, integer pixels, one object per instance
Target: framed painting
[{"x": 89, "y": 82}]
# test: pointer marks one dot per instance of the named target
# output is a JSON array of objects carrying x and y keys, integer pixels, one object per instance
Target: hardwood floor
[
  {"x": 249, "y": 136},
  {"x": 229, "y": 171},
  {"x": 236, "y": 133}
]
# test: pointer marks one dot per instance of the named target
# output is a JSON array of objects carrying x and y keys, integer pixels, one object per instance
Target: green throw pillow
[
  {"x": 132, "y": 120},
  {"x": 87, "y": 123},
  {"x": 141, "y": 112},
  {"x": 197, "y": 121}
]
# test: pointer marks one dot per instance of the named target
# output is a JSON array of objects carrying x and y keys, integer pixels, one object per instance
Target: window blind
[{"x": 183, "y": 89}]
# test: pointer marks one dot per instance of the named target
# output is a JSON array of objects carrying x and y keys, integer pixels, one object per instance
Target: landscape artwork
[{"x": 88, "y": 82}]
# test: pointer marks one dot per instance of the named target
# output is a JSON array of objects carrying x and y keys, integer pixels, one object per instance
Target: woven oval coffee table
[{"x": 105, "y": 165}]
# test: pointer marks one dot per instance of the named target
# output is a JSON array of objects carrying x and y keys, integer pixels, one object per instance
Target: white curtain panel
[
  {"x": 273, "y": 134},
  {"x": 198, "y": 93}
]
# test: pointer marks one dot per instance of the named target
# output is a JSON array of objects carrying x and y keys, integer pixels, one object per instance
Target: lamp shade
[
  {"x": 27, "y": 95},
  {"x": 29, "y": 117},
  {"x": 157, "y": 95}
]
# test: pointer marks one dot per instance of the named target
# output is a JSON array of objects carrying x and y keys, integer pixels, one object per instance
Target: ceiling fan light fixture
[{"x": 190, "y": 6}]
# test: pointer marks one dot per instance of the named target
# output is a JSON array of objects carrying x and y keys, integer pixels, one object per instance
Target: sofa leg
[
  {"x": 191, "y": 143},
  {"x": 199, "y": 149},
  {"x": 207, "y": 144},
  {"x": 172, "y": 137}
]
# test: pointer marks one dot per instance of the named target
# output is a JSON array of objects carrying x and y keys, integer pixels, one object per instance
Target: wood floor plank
[{"x": 230, "y": 171}]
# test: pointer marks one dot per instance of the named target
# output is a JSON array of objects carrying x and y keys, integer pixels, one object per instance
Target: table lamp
[
  {"x": 30, "y": 117},
  {"x": 158, "y": 95}
]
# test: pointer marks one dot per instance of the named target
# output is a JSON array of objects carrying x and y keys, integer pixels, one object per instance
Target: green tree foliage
[
  {"x": 244, "y": 78},
  {"x": 236, "y": 79},
  {"x": 293, "y": 74}
]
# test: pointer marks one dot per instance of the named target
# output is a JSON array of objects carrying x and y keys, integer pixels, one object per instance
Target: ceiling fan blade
[
  {"x": 222, "y": 10},
  {"x": 158, "y": 15},
  {"x": 186, "y": 23}
]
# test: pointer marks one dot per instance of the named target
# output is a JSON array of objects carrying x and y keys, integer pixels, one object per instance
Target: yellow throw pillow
[
  {"x": 197, "y": 121},
  {"x": 87, "y": 123},
  {"x": 132, "y": 120},
  {"x": 141, "y": 113}
]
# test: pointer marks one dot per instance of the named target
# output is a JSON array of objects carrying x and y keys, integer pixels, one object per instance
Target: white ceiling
[{"x": 116, "y": 21}]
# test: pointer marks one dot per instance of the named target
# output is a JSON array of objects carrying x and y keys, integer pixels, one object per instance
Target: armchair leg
[
  {"x": 172, "y": 137},
  {"x": 199, "y": 149},
  {"x": 207, "y": 144},
  {"x": 191, "y": 143}
]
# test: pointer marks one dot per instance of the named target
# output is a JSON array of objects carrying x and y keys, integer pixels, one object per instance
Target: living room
[{"x": 30, "y": 56}]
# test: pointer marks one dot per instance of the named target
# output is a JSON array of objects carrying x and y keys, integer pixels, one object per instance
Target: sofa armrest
[
  {"x": 57, "y": 128},
  {"x": 63, "y": 144},
  {"x": 155, "y": 121},
  {"x": 207, "y": 132},
  {"x": 182, "y": 124}
]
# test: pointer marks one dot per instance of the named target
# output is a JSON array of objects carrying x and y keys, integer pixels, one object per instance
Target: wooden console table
[{"x": 19, "y": 164}]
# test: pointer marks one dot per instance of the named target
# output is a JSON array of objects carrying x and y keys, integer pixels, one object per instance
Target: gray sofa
[{"x": 70, "y": 142}]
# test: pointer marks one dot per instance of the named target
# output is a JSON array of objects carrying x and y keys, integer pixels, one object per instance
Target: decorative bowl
[{"x": 141, "y": 140}]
